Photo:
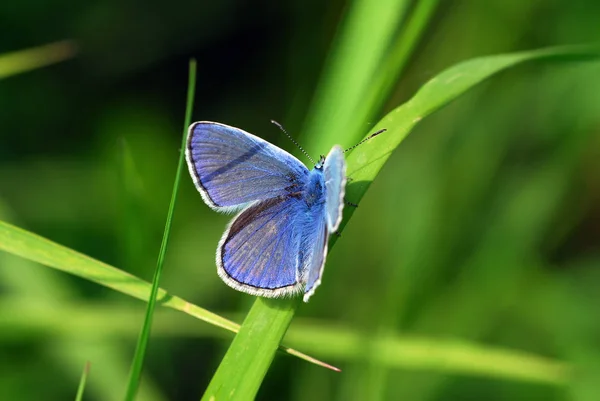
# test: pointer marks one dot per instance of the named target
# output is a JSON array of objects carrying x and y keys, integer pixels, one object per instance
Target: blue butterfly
[{"x": 277, "y": 244}]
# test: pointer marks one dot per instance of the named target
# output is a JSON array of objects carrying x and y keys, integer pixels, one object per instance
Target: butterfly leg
[
  {"x": 348, "y": 180},
  {"x": 351, "y": 204}
]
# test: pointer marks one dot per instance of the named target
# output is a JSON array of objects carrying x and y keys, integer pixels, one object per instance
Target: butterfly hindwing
[
  {"x": 232, "y": 168},
  {"x": 315, "y": 251},
  {"x": 260, "y": 252},
  {"x": 334, "y": 172}
]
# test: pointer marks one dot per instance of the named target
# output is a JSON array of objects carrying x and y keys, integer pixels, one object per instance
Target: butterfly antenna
[
  {"x": 366, "y": 139},
  {"x": 292, "y": 139}
]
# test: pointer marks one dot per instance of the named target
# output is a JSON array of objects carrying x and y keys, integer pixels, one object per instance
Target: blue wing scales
[
  {"x": 276, "y": 246},
  {"x": 232, "y": 168},
  {"x": 259, "y": 252}
]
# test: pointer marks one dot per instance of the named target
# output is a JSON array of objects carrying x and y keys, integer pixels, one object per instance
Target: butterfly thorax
[{"x": 314, "y": 193}]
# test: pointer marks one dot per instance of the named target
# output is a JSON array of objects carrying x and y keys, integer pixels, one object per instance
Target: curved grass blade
[
  {"x": 273, "y": 317},
  {"x": 24, "y": 60},
  {"x": 142, "y": 343},
  {"x": 365, "y": 162},
  {"x": 84, "y": 375},
  {"x": 32, "y": 247}
]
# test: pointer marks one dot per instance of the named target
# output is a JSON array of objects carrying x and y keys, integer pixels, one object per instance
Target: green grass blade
[
  {"x": 393, "y": 66},
  {"x": 433, "y": 354},
  {"x": 25, "y": 60},
  {"x": 32, "y": 247},
  {"x": 366, "y": 33},
  {"x": 84, "y": 375},
  {"x": 363, "y": 165},
  {"x": 142, "y": 344},
  {"x": 21, "y": 317},
  {"x": 249, "y": 356},
  {"x": 365, "y": 162},
  {"x": 239, "y": 376}
]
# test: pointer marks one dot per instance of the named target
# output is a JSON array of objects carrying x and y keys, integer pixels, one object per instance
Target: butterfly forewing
[{"x": 232, "y": 168}]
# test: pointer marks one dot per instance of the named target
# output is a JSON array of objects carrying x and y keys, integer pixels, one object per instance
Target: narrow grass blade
[
  {"x": 435, "y": 355},
  {"x": 142, "y": 344},
  {"x": 392, "y": 67},
  {"x": 21, "y": 317},
  {"x": 84, "y": 375},
  {"x": 30, "y": 59},
  {"x": 250, "y": 347},
  {"x": 41, "y": 250},
  {"x": 365, "y": 162},
  {"x": 32, "y": 247},
  {"x": 366, "y": 33}
]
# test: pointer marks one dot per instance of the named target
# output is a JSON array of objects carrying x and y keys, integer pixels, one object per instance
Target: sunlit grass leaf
[
  {"x": 420, "y": 353},
  {"x": 332, "y": 341},
  {"x": 365, "y": 162},
  {"x": 383, "y": 83},
  {"x": 366, "y": 33},
  {"x": 267, "y": 321},
  {"x": 142, "y": 343},
  {"x": 84, "y": 375},
  {"x": 41, "y": 250},
  {"x": 30, "y": 59},
  {"x": 242, "y": 369}
]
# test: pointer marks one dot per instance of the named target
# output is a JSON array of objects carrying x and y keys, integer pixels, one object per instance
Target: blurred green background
[{"x": 484, "y": 227}]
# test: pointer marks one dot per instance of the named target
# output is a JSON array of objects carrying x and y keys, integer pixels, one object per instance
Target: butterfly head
[{"x": 319, "y": 165}]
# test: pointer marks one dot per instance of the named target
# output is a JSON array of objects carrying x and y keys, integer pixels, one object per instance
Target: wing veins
[
  {"x": 241, "y": 180},
  {"x": 272, "y": 216},
  {"x": 247, "y": 168},
  {"x": 270, "y": 259}
]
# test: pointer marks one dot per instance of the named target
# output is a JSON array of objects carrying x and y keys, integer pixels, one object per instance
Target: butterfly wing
[
  {"x": 232, "y": 168},
  {"x": 260, "y": 251},
  {"x": 325, "y": 219},
  {"x": 315, "y": 250},
  {"x": 334, "y": 172}
]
